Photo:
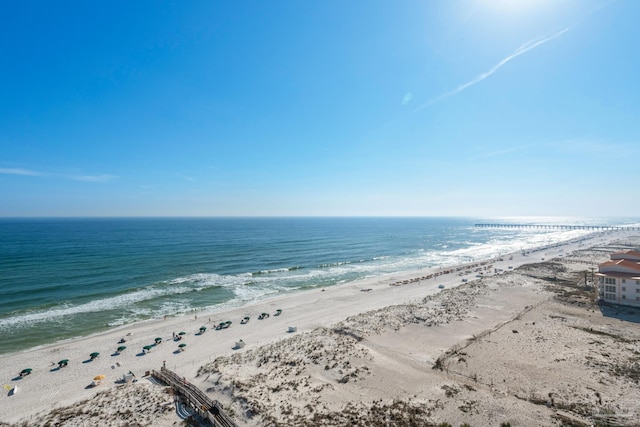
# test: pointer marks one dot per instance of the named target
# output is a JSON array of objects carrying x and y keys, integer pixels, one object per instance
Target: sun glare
[{"x": 514, "y": 6}]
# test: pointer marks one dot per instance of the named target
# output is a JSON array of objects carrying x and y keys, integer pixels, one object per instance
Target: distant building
[
  {"x": 619, "y": 279},
  {"x": 626, "y": 255}
]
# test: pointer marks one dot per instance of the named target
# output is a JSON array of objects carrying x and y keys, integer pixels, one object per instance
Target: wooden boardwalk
[
  {"x": 195, "y": 398},
  {"x": 559, "y": 226}
]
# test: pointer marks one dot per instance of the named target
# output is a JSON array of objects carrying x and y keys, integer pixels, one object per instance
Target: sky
[{"x": 320, "y": 108}]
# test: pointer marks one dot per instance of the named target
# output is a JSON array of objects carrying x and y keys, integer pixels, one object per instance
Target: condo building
[{"x": 619, "y": 279}]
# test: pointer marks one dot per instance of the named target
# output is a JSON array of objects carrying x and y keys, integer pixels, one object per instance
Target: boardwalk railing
[
  {"x": 559, "y": 226},
  {"x": 195, "y": 398}
]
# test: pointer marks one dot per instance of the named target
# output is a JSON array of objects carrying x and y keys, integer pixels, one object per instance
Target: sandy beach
[{"x": 516, "y": 339}]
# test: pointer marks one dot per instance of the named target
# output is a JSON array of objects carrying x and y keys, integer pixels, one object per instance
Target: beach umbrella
[
  {"x": 122, "y": 348},
  {"x": 63, "y": 362},
  {"x": 182, "y": 346},
  {"x": 203, "y": 328},
  {"x": 99, "y": 377},
  {"x": 182, "y": 333},
  {"x": 147, "y": 347},
  {"x": 25, "y": 371},
  {"x": 158, "y": 340},
  {"x": 94, "y": 355}
]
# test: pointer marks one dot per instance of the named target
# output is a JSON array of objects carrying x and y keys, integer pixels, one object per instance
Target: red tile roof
[
  {"x": 628, "y": 252},
  {"x": 632, "y": 265}
]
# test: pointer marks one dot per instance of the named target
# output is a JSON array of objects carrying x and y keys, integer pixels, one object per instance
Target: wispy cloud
[
  {"x": 530, "y": 45},
  {"x": 93, "y": 178},
  {"x": 85, "y": 178},
  {"x": 576, "y": 147},
  {"x": 17, "y": 171},
  {"x": 407, "y": 98},
  {"x": 594, "y": 147}
]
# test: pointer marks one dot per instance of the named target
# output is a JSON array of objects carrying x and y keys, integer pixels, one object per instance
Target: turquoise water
[{"x": 61, "y": 278}]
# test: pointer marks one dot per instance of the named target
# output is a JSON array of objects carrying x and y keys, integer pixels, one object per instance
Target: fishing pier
[
  {"x": 195, "y": 398},
  {"x": 559, "y": 227}
]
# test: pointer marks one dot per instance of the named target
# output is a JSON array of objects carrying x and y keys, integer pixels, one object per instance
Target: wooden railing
[{"x": 195, "y": 398}]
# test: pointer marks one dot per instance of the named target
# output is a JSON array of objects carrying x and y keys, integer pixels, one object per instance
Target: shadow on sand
[{"x": 620, "y": 312}]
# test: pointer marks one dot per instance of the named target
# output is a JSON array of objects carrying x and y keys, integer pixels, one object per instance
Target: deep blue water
[{"x": 61, "y": 278}]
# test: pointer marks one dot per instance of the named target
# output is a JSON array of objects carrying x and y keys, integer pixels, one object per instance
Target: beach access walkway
[{"x": 192, "y": 396}]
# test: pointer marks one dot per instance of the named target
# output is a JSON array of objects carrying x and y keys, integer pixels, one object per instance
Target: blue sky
[{"x": 411, "y": 108}]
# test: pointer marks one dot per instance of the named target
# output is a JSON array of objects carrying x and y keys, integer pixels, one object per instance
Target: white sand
[{"x": 403, "y": 349}]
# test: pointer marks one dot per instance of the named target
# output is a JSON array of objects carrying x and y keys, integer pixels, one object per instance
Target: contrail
[{"x": 530, "y": 45}]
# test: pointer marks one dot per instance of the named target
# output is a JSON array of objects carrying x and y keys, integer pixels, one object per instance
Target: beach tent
[
  {"x": 245, "y": 319},
  {"x": 94, "y": 355},
  {"x": 63, "y": 363},
  {"x": 25, "y": 372}
]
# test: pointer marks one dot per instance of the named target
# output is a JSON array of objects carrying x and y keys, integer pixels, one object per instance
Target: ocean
[{"x": 64, "y": 278}]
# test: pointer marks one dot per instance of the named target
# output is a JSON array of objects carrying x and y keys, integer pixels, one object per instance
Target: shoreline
[
  {"x": 41, "y": 325},
  {"x": 306, "y": 310},
  {"x": 403, "y": 277}
]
